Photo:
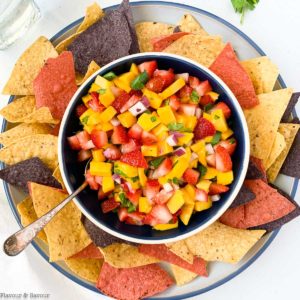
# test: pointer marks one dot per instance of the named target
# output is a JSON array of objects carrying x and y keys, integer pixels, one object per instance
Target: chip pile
[{"x": 46, "y": 77}]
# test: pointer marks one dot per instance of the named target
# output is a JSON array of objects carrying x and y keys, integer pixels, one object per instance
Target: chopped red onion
[
  {"x": 172, "y": 140},
  {"x": 209, "y": 149},
  {"x": 117, "y": 178},
  {"x": 180, "y": 151},
  {"x": 168, "y": 187},
  {"x": 145, "y": 101},
  {"x": 115, "y": 122},
  {"x": 198, "y": 112},
  {"x": 137, "y": 108},
  {"x": 131, "y": 190},
  {"x": 177, "y": 134},
  {"x": 215, "y": 198},
  {"x": 184, "y": 76}
]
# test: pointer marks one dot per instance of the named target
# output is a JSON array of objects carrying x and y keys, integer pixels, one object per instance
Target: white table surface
[{"x": 274, "y": 25}]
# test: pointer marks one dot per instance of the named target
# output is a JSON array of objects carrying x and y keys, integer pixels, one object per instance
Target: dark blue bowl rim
[{"x": 219, "y": 282}]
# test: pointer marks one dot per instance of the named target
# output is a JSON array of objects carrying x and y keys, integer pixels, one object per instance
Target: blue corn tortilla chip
[
  {"x": 245, "y": 195},
  {"x": 33, "y": 170},
  {"x": 292, "y": 103},
  {"x": 99, "y": 237},
  {"x": 256, "y": 169},
  {"x": 287, "y": 218},
  {"x": 176, "y": 29},
  {"x": 291, "y": 165}
]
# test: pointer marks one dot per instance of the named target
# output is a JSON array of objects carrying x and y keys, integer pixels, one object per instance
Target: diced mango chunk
[
  {"x": 203, "y": 205},
  {"x": 127, "y": 119},
  {"x": 86, "y": 98},
  {"x": 161, "y": 132},
  {"x": 166, "y": 115},
  {"x": 164, "y": 148},
  {"x": 98, "y": 155},
  {"x": 134, "y": 69},
  {"x": 173, "y": 88},
  {"x": 204, "y": 185},
  {"x": 100, "y": 168},
  {"x": 210, "y": 173},
  {"x": 144, "y": 205},
  {"x": 219, "y": 121},
  {"x": 148, "y": 121},
  {"x": 108, "y": 114},
  {"x": 225, "y": 135},
  {"x": 150, "y": 150},
  {"x": 176, "y": 202},
  {"x": 191, "y": 192},
  {"x": 163, "y": 227},
  {"x": 186, "y": 138},
  {"x": 186, "y": 213},
  {"x": 154, "y": 99},
  {"x": 123, "y": 81},
  {"x": 125, "y": 169},
  {"x": 225, "y": 178},
  {"x": 94, "y": 87},
  {"x": 107, "y": 126},
  {"x": 214, "y": 96},
  {"x": 108, "y": 184},
  {"x": 134, "y": 182},
  {"x": 142, "y": 176}
]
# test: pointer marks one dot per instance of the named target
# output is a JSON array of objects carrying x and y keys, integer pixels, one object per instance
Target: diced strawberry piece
[
  {"x": 193, "y": 82},
  {"x": 201, "y": 195},
  {"x": 215, "y": 189},
  {"x": 80, "y": 109},
  {"x": 135, "y": 132},
  {"x": 206, "y": 99},
  {"x": 185, "y": 92},
  {"x": 134, "y": 197},
  {"x": 156, "y": 84},
  {"x": 163, "y": 197},
  {"x": 94, "y": 103},
  {"x": 132, "y": 100},
  {"x": 211, "y": 160},
  {"x": 167, "y": 75},
  {"x": 164, "y": 168},
  {"x": 188, "y": 109},
  {"x": 150, "y": 220},
  {"x": 88, "y": 145},
  {"x": 120, "y": 101},
  {"x": 112, "y": 153},
  {"x": 130, "y": 146},
  {"x": 109, "y": 205},
  {"x": 84, "y": 140},
  {"x": 99, "y": 138},
  {"x": 148, "y": 66},
  {"x": 229, "y": 145},
  {"x": 116, "y": 91},
  {"x": 148, "y": 138},
  {"x": 122, "y": 214},
  {"x": 223, "y": 159},
  {"x": 135, "y": 218},
  {"x": 101, "y": 194},
  {"x": 161, "y": 213},
  {"x": 91, "y": 181},
  {"x": 99, "y": 179},
  {"x": 225, "y": 108},
  {"x": 203, "y": 129},
  {"x": 151, "y": 189},
  {"x": 203, "y": 88},
  {"x": 84, "y": 155},
  {"x": 135, "y": 158},
  {"x": 174, "y": 102},
  {"x": 191, "y": 176},
  {"x": 119, "y": 135},
  {"x": 74, "y": 142}
]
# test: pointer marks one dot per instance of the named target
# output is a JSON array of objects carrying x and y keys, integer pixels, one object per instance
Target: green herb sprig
[{"x": 241, "y": 6}]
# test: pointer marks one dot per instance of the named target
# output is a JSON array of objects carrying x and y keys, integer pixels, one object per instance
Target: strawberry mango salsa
[{"x": 160, "y": 145}]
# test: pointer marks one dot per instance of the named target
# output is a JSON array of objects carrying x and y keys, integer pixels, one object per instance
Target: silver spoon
[{"x": 17, "y": 242}]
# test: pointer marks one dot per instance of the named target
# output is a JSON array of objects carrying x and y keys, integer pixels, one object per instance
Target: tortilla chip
[
  {"x": 289, "y": 131},
  {"x": 28, "y": 66},
  {"x": 57, "y": 175},
  {"x": 256, "y": 169},
  {"x": 55, "y": 84},
  {"x": 263, "y": 121},
  {"x": 202, "y": 49},
  {"x": 28, "y": 215},
  {"x": 181, "y": 250},
  {"x": 278, "y": 146},
  {"x": 23, "y": 110},
  {"x": 133, "y": 283},
  {"x": 93, "y": 13},
  {"x": 219, "y": 242},
  {"x": 162, "y": 42},
  {"x": 23, "y": 130},
  {"x": 29, "y": 170},
  {"x": 85, "y": 268},
  {"x": 162, "y": 252},
  {"x": 64, "y": 44},
  {"x": 146, "y": 31},
  {"x": 90, "y": 251},
  {"x": 182, "y": 276},
  {"x": 291, "y": 106},
  {"x": 244, "y": 196},
  {"x": 263, "y": 73},
  {"x": 92, "y": 68},
  {"x": 189, "y": 24},
  {"x": 267, "y": 206},
  {"x": 43, "y": 146},
  {"x": 126, "y": 256},
  {"x": 65, "y": 232},
  {"x": 229, "y": 69}
]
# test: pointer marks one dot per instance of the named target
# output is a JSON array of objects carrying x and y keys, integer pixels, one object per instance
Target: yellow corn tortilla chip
[
  {"x": 28, "y": 215},
  {"x": 182, "y": 276},
  {"x": 57, "y": 175},
  {"x": 202, "y": 49},
  {"x": 43, "y": 146},
  {"x": 125, "y": 256},
  {"x": 65, "y": 232},
  {"x": 263, "y": 121},
  {"x": 63, "y": 45},
  {"x": 219, "y": 242},
  {"x": 278, "y": 146},
  {"x": 92, "y": 68},
  {"x": 86, "y": 268},
  {"x": 93, "y": 13},
  {"x": 189, "y": 24},
  {"x": 289, "y": 131},
  {"x": 180, "y": 248},
  {"x": 23, "y": 130},
  {"x": 23, "y": 110},
  {"x": 262, "y": 72},
  {"x": 28, "y": 66},
  {"x": 148, "y": 30}
]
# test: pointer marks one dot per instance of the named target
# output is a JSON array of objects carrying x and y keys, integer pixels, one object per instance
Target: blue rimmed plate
[{"x": 246, "y": 48}]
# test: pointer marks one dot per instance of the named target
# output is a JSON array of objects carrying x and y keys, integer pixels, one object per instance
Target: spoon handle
[{"x": 17, "y": 242}]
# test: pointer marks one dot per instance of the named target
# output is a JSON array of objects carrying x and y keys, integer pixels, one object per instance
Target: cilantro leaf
[
  {"x": 208, "y": 107},
  {"x": 126, "y": 203},
  {"x": 101, "y": 91},
  {"x": 134, "y": 179},
  {"x": 202, "y": 170},
  {"x": 195, "y": 97},
  {"x": 216, "y": 138},
  {"x": 85, "y": 120},
  {"x": 241, "y": 6},
  {"x": 119, "y": 172},
  {"x": 178, "y": 127},
  {"x": 110, "y": 76},
  {"x": 156, "y": 162},
  {"x": 139, "y": 82}
]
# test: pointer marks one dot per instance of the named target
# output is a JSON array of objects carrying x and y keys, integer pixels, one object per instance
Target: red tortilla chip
[
  {"x": 162, "y": 252},
  {"x": 268, "y": 206},
  {"x": 162, "y": 42},
  {"x": 133, "y": 283},
  {"x": 55, "y": 84},
  {"x": 90, "y": 251},
  {"x": 229, "y": 69}
]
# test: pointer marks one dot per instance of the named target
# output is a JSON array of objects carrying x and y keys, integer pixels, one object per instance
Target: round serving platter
[{"x": 168, "y": 12}]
